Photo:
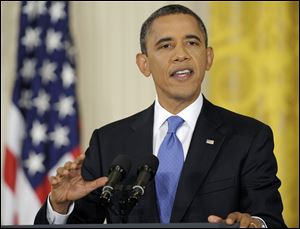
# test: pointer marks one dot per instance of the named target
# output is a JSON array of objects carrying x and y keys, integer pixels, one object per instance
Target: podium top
[{"x": 129, "y": 225}]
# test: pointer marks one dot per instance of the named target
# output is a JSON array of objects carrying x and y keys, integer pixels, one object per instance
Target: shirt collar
[{"x": 189, "y": 114}]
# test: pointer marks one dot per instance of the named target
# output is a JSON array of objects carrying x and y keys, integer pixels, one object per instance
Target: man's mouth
[{"x": 182, "y": 74}]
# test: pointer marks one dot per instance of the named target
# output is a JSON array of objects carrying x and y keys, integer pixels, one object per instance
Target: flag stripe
[
  {"x": 16, "y": 127},
  {"x": 76, "y": 152},
  {"x": 26, "y": 200},
  {"x": 43, "y": 190},
  {"x": 10, "y": 169}
]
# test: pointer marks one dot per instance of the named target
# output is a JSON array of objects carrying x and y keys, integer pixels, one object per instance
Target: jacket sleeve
[
  {"x": 41, "y": 216},
  {"x": 259, "y": 183}
]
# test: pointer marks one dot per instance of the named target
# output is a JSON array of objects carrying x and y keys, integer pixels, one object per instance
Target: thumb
[
  {"x": 215, "y": 219},
  {"x": 92, "y": 185}
]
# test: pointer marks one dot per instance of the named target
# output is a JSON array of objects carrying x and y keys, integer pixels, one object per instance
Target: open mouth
[{"x": 182, "y": 74}]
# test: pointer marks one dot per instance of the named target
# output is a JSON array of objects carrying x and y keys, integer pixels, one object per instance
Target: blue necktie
[{"x": 170, "y": 155}]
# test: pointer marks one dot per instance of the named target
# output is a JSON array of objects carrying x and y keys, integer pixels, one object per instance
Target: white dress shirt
[{"x": 184, "y": 132}]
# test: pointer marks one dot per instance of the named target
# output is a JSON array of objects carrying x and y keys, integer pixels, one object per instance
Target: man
[{"x": 221, "y": 167}]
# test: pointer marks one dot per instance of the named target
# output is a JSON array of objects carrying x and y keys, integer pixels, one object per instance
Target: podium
[{"x": 130, "y": 225}]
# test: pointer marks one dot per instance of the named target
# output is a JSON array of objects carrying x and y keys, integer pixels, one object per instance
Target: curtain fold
[{"x": 256, "y": 73}]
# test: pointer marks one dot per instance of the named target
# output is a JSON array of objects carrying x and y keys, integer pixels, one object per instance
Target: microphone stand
[
  {"x": 123, "y": 211},
  {"x": 125, "y": 204}
]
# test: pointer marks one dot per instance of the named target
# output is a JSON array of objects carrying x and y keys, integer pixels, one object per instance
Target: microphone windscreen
[
  {"x": 123, "y": 161},
  {"x": 151, "y": 161}
]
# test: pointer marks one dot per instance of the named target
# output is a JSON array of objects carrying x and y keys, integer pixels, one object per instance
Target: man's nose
[{"x": 180, "y": 54}]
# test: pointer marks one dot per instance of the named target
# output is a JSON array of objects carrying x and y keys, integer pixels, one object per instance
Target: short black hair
[{"x": 164, "y": 11}]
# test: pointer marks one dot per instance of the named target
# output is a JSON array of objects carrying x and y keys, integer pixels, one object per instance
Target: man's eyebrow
[
  {"x": 164, "y": 39},
  {"x": 191, "y": 36}
]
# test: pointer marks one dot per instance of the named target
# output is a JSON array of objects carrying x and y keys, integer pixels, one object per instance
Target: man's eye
[
  {"x": 193, "y": 43},
  {"x": 165, "y": 46}
]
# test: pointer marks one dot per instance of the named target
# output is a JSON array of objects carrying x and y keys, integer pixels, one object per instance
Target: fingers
[
  {"x": 215, "y": 219},
  {"x": 53, "y": 180},
  {"x": 92, "y": 185},
  {"x": 100, "y": 182},
  {"x": 56, "y": 180},
  {"x": 62, "y": 171},
  {"x": 255, "y": 223},
  {"x": 70, "y": 166},
  {"x": 79, "y": 160},
  {"x": 233, "y": 217},
  {"x": 245, "y": 220},
  {"x": 76, "y": 164}
]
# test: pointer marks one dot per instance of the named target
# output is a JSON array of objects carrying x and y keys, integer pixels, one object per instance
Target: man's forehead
[
  {"x": 173, "y": 26},
  {"x": 174, "y": 21}
]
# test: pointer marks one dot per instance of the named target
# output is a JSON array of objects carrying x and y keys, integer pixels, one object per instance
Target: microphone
[
  {"x": 145, "y": 174},
  {"x": 118, "y": 170}
]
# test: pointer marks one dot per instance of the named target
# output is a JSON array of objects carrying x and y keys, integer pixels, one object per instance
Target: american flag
[{"x": 43, "y": 124}]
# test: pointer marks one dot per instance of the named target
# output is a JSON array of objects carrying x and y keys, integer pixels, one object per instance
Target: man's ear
[
  {"x": 143, "y": 64},
  {"x": 209, "y": 57}
]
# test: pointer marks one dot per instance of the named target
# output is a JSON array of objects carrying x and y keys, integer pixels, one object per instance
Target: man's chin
[{"x": 185, "y": 97}]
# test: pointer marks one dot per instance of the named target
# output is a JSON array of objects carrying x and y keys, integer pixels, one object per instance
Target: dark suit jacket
[{"x": 236, "y": 173}]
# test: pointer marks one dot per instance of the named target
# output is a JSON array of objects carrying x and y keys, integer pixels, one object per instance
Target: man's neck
[{"x": 174, "y": 106}]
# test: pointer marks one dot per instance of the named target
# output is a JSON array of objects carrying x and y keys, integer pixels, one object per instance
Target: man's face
[{"x": 176, "y": 58}]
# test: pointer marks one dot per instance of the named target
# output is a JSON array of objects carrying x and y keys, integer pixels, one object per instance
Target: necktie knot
[{"x": 174, "y": 122}]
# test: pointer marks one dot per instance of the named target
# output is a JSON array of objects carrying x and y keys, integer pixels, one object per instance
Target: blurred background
[{"x": 255, "y": 72}]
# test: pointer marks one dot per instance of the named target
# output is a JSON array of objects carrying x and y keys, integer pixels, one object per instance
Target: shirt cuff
[
  {"x": 54, "y": 217},
  {"x": 264, "y": 225}
]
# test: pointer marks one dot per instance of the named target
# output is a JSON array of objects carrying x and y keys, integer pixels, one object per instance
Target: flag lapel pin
[{"x": 209, "y": 141}]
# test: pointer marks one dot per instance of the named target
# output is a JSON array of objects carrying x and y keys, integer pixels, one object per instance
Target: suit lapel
[{"x": 205, "y": 145}]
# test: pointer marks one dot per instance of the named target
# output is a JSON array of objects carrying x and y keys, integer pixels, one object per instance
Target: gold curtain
[{"x": 256, "y": 73}]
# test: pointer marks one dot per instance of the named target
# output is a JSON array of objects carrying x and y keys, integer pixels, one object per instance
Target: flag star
[
  {"x": 29, "y": 9},
  {"x": 60, "y": 136},
  {"x": 70, "y": 50},
  {"x": 31, "y": 38},
  {"x": 28, "y": 69},
  {"x": 38, "y": 133},
  {"x": 68, "y": 75},
  {"x": 34, "y": 163},
  {"x": 41, "y": 7},
  {"x": 42, "y": 102},
  {"x": 47, "y": 71},
  {"x": 57, "y": 11},
  {"x": 53, "y": 40},
  {"x": 25, "y": 100},
  {"x": 34, "y": 8},
  {"x": 65, "y": 106}
]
